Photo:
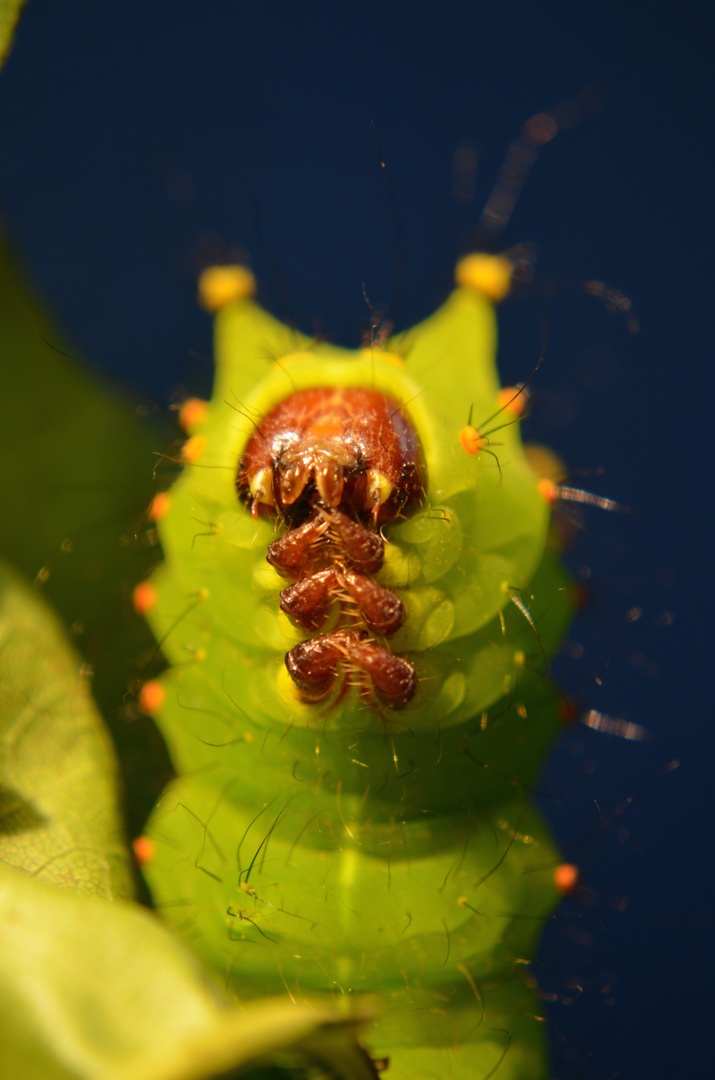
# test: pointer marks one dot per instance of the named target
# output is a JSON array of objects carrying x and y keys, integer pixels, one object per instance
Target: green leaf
[
  {"x": 58, "y": 812},
  {"x": 91, "y": 989},
  {"x": 9, "y": 14},
  {"x": 75, "y": 482}
]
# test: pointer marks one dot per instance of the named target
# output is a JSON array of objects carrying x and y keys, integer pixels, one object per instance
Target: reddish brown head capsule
[
  {"x": 336, "y": 464},
  {"x": 345, "y": 448}
]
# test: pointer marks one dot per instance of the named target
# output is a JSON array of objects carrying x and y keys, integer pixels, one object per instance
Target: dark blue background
[{"x": 130, "y": 133}]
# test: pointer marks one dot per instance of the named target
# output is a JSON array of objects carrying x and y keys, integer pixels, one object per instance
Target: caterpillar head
[{"x": 347, "y": 448}]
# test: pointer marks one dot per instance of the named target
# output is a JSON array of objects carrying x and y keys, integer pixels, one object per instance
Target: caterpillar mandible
[{"x": 358, "y": 598}]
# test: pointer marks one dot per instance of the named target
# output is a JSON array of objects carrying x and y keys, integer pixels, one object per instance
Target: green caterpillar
[{"x": 356, "y": 721}]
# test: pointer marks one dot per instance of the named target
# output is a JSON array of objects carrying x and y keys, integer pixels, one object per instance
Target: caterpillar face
[
  {"x": 349, "y": 448},
  {"x": 356, "y": 604}
]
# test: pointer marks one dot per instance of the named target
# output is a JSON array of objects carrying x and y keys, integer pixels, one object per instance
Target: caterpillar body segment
[{"x": 357, "y": 615}]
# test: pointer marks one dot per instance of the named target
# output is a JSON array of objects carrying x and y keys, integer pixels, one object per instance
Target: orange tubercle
[
  {"x": 144, "y": 597},
  {"x": 471, "y": 440},
  {"x": 151, "y": 697},
  {"x": 144, "y": 849},
  {"x": 566, "y": 878},
  {"x": 548, "y": 490},
  {"x": 159, "y": 506},
  {"x": 192, "y": 414},
  {"x": 193, "y": 448},
  {"x": 513, "y": 400}
]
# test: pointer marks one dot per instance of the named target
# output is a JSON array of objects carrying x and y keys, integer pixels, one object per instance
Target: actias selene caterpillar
[{"x": 351, "y": 818}]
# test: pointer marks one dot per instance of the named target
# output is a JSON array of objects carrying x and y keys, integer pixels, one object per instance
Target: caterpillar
[{"x": 358, "y": 597}]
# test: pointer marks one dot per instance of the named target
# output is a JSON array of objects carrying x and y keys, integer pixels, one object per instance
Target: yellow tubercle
[
  {"x": 220, "y": 285},
  {"x": 487, "y": 274}
]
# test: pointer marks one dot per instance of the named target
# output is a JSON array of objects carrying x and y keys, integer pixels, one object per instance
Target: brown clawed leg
[
  {"x": 393, "y": 678},
  {"x": 382, "y": 610},
  {"x": 313, "y": 665},
  {"x": 363, "y": 549},
  {"x": 292, "y": 553},
  {"x": 308, "y": 602}
]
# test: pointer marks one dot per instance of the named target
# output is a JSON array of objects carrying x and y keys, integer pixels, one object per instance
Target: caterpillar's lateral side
[{"x": 357, "y": 607}]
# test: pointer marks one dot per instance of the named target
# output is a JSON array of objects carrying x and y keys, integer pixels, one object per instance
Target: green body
[{"x": 384, "y": 858}]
